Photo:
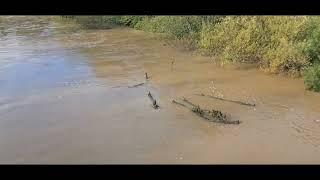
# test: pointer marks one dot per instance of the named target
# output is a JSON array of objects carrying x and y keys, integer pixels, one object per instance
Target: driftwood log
[
  {"x": 222, "y": 99},
  {"x": 154, "y": 102},
  {"x": 210, "y": 115}
]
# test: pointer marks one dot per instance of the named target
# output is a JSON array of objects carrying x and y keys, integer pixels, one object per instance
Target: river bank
[
  {"x": 65, "y": 99},
  {"x": 287, "y": 45}
]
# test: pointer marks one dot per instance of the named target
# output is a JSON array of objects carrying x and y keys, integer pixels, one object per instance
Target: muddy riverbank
[{"x": 64, "y": 98}]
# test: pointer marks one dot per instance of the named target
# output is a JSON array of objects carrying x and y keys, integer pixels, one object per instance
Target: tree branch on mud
[
  {"x": 154, "y": 102},
  {"x": 140, "y": 84},
  {"x": 210, "y": 115},
  {"x": 219, "y": 98}
]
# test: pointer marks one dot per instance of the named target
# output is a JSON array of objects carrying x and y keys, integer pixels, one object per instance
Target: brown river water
[{"x": 64, "y": 99}]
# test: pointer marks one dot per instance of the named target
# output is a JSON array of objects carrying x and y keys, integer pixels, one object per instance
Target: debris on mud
[
  {"x": 140, "y": 84},
  {"x": 223, "y": 99},
  {"x": 154, "y": 102},
  {"x": 172, "y": 63},
  {"x": 210, "y": 115}
]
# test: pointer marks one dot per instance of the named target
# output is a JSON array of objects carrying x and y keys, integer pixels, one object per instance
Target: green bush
[
  {"x": 97, "y": 22},
  {"x": 278, "y": 43},
  {"x": 177, "y": 26},
  {"x": 312, "y": 78},
  {"x": 235, "y": 39},
  {"x": 313, "y": 40},
  {"x": 286, "y": 49},
  {"x": 130, "y": 21}
]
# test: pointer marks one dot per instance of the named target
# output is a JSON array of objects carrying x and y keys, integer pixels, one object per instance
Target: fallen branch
[
  {"x": 140, "y": 84},
  {"x": 210, "y": 115},
  {"x": 238, "y": 102},
  {"x": 154, "y": 102},
  {"x": 179, "y": 103},
  {"x": 185, "y": 100}
]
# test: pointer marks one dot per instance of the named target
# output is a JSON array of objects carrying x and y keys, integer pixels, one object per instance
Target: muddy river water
[{"x": 64, "y": 98}]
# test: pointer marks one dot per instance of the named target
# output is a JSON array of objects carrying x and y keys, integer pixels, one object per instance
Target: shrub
[
  {"x": 277, "y": 43},
  {"x": 286, "y": 49},
  {"x": 312, "y": 78},
  {"x": 313, "y": 40},
  {"x": 176, "y": 26},
  {"x": 130, "y": 21},
  {"x": 97, "y": 22}
]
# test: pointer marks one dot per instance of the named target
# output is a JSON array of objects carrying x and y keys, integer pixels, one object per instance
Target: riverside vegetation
[{"x": 276, "y": 44}]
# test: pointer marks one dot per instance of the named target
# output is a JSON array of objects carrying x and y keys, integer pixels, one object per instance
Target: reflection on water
[{"x": 64, "y": 99}]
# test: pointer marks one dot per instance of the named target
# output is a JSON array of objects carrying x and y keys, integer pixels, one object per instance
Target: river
[{"x": 64, "y": 99}]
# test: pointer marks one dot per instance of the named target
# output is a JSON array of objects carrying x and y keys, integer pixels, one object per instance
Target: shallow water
[{"x": 64, "y": 98}]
